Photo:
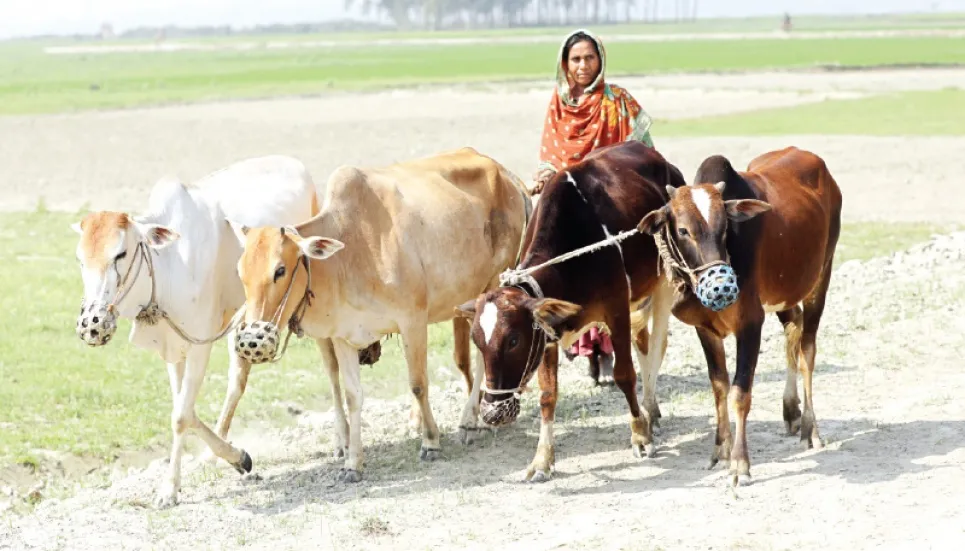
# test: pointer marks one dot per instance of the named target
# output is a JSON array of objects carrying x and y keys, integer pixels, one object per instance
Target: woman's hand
[{"x": 540, "y": 180}]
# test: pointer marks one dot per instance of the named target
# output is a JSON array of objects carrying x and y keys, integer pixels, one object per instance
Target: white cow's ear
[
  {"x": 77, "y": 228},
  {"x": 157, "y": 236},
  {"x": 240, "y": 231},
  {"x": 320, "y": 248}
]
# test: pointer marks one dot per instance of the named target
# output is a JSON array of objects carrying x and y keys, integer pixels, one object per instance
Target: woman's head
[{"x": 581, "y": 59}]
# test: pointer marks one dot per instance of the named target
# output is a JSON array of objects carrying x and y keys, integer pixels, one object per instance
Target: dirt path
[
  {"x": 888, "y": 389},
  {"x": 110, "y": 160}
]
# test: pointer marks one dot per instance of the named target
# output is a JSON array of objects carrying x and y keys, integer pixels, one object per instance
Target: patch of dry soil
[{"x": 887, "y": 396}]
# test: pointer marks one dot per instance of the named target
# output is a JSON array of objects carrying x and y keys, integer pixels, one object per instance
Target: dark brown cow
[
  {"x": 521, "y": 325},
  {"x": 775, "y": 228}
]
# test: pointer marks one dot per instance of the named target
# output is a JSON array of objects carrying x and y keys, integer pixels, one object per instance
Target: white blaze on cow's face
[{"x": 106, "y": 250}]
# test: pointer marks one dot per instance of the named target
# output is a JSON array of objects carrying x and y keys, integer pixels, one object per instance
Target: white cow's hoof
[
  {"x": 348, "y": 475},
  {"x": 167, "y": 497}
]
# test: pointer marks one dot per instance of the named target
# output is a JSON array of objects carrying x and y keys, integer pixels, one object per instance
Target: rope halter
[
  {"x": 97, "y": 324},
  {"x": 714, "y": 283}
]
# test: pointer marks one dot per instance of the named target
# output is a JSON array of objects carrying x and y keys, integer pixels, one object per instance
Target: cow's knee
[{"x": 182, "y": 421}]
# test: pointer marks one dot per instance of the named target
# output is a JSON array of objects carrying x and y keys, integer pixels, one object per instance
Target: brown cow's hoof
[
  {"x": 644, "y": 451},
  {"x": 536, "y": 476},
  {"x": 348, "y": 475},
  {"x": 243, "y": 466},
  {"x": 370, "y": 354},
  {"x": 429, "y": 454}
]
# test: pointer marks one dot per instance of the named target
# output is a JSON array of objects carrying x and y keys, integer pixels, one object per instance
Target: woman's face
[{"x": 582, "y": 64}]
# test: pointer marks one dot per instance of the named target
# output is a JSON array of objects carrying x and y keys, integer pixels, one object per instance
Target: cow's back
[
  {"x": 445, "y": 225},
  {"x": 795, "y": 236}
]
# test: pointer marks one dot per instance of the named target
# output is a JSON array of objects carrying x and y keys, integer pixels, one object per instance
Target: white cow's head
[{"x": 111, "y": 256}]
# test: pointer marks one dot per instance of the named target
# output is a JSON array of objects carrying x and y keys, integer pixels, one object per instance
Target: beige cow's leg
[
  {"x": 330, "y": 361},
  {"x": 469, "y": 421},
  {"x": 183, "y": 418},
  {"x": 415, "y": 341},
  {"x": 348, "y": 365},
  {"x": 650, "y": 354},
  {"x": 238, "y": 371}
]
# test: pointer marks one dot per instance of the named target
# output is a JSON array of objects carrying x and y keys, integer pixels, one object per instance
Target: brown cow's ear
[
  {"x": 654, "y": 220},
  {"x": 745, "y": 209},
  {"x": 550, "y": 313},
  {"x": 467, "y": 310}
]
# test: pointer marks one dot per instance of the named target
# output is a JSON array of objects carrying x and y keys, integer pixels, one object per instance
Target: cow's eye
[
  {"x": 682, "y": 232},
  {"x": 279, "y": 273},
  {"x": 513, "y": 341}
]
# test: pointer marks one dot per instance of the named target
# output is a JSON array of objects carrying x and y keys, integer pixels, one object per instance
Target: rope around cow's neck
[
  {"x": 151, "y": 312},
  {"x": 675, "y": 267}
]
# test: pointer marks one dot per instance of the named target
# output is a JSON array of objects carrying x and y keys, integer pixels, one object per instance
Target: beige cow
[{"x": 393, "y": 250}]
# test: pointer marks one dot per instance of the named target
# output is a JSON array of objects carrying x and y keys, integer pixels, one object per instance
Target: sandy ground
[{"x": 888, "y": 382}]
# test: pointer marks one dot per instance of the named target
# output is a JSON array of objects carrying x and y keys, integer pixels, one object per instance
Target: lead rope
[
  {"x": 151, "y": 313},
  {"x": 294, "y": 323}
]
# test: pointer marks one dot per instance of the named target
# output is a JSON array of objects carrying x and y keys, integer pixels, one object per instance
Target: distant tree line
[{"x": 474, "y": 14}]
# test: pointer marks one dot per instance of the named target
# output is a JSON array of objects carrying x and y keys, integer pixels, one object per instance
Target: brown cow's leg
[
  {"x": 813, "y": 309},
  {"x": 748, "y": 348},
  {"x": 625, "y": 377},
  {"x": 717, "y": 370},
  {"x": 793, "y": 326},
  {"x": 541, "y": 469}
]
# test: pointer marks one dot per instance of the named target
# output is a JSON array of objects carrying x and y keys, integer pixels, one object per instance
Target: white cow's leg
[
  {"x": 348, "y": 365},
  {"x": 167, "y": 493},
  {"x": 183, "y": 418},
  {"x": 330, "y": 361},
  {"x": 415, "y": 342}
]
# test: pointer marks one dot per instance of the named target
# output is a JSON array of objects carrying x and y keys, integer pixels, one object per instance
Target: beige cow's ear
[
  {"x": 77, "y": 227},
  {"x": 320, "y": 248}
]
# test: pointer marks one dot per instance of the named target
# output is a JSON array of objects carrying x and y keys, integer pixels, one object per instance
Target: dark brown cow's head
[
  {"x": 512, "y": 330},
  {"x": 693, "y": 226}
]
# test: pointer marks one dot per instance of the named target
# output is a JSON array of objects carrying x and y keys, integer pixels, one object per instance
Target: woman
[{"x": 586, "y": 113}]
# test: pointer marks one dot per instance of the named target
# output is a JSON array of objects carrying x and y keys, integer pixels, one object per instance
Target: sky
[{"x": 33, "y": 17}]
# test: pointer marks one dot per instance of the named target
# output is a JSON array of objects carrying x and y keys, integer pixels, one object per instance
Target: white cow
[{"x": 173, "y": 272}]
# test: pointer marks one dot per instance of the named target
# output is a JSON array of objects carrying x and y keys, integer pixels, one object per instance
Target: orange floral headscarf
[{"x": 606, "y": 114}]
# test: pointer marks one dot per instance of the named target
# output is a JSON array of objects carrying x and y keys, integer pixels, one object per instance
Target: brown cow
[
  {"x": 521, "y": 325},
  {"x": 743, "y": 244}
]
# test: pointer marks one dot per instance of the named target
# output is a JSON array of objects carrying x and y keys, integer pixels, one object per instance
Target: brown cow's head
[
  {"x": 694, "y": 226},
  {"x": 511, "y": 330},
  {"x": 274, "y": 272},
  {"x": 111, "y": 253}
]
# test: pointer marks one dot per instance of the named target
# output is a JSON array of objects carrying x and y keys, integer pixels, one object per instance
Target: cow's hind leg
[
  {"x": 415, "y": 342},
  {"x": 793, "y": 322},
  {"x": 327, "y": 350},
  {"x": 813, "y": 309}
]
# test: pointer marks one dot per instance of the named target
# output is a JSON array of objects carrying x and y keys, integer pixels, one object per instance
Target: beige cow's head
[
  {"x": 275, "y": 272},
  {"x": 111, "y": 253}
]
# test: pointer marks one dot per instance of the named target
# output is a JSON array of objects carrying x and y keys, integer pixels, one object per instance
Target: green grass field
[
  {"x": 58, "y": 394},
  {"x": 932, "y": 113},
  {"x": 34, "y": 82}
]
